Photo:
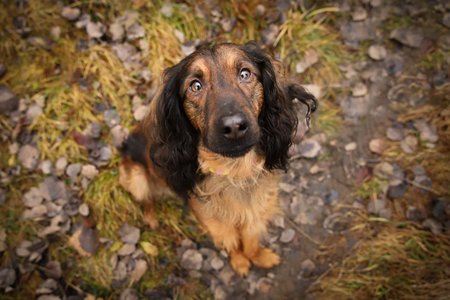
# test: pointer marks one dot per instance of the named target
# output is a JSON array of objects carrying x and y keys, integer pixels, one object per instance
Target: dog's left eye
[
  {"x": 196, "y": 86},
  {"x": 245, "y": 74}
]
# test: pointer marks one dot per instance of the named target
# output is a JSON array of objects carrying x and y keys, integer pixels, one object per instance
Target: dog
[{"x": 217, "y": 135}]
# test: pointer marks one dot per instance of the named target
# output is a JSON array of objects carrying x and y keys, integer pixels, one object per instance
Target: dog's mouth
[{"x": 241, "y": 151}]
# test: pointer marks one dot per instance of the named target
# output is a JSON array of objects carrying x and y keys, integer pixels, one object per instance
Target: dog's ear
[
  {"x": 174, "y": 149},
  {"x": 277, "y": 119}
]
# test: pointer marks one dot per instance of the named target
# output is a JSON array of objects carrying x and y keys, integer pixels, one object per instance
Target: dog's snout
[{"x": 234, "y": 127}]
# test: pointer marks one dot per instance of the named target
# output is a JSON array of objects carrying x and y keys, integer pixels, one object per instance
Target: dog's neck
[{"x": 249, "y": 165}]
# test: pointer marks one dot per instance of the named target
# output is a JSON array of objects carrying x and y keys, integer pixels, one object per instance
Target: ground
[{"x": 366, "y": 199}]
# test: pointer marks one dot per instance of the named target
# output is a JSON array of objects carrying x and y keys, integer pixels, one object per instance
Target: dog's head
[{"x": 228, "y": 99}]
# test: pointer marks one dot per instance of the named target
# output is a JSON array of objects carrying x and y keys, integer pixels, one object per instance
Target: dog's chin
[{"x": 233, "y": 152}]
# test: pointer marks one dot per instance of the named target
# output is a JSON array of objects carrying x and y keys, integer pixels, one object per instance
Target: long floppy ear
[
  {"x": 174, "y": 149},
  {"x": 277, "y": 119}
]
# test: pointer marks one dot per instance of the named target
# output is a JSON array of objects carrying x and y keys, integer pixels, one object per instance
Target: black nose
[{"x": 234, "y": 127}]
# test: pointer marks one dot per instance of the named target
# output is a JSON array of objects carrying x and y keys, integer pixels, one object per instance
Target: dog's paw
[
  {"x": 240, "y": 264},
  {"x": 266, "y": 258},
  {"x": 151, "y": 220}
]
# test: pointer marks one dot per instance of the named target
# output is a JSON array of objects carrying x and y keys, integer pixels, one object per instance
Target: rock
[
  {"x": 377, "y": 52},
  {"x": 415, "y": 214},
  {"x": 53, "y": 269},
  {"x": 28, "y": 156},
  {"x": 217, "y": 263},
  {"x": 46, "y": 167},
  {"x": 228, "y": 24},
  {"x": 53, "y": 189},
  {"x": 377, "y": 146},
  {"x": 70, "y": 13},
  {"x": 95, "y": 30},
  {"x": 191, "y": 260},
  {"x": 440, "y": 208},
  {"x": 286, "y": 187},
  {"x": 428, "y": 132},
  {"x": 310, "y": 58},
  {"x": 309, "y": 148},
  {"x": 395, "y": 133},
  {"x": 331, "y": 197},
  {"x": 307, "y": 211},
  {"x": 432, "y": 225},
  {"x": 84, "y": 210},
  {"x": 307, "y": 268},
  {"x": 359, "y": 90},
  {"x": 37, "y": 212},
  {"x": 376, "y": 3},
  {"x": 219, "y": 293},
  {"x": 336, "y": 222},
  {"x": 7, "y": 277},
  {"x": 350, "y": 146},
  {"x": 118, "y": 134},
  {"x": 89, "y": 171},
  {"x": 129, "y": 294},
  {"x": 354, "y": 32},
  {"x": 61, "y": 164},
  {"x": 226, "y": 275},
  {"x": 55, "y": 32},
  {"x": 359, "y": 14},
  {"x": 73, "y": 170},
  {"x": 444, "y": 42},
  {"x": 135, "y": 31},
  {"x": 383, "y": 170},
  {"x": 105, "y": 153},
  {"x": 167, "y": 9},
  {"x": 126, "y": 249},
  {"x": 111, "y": 117},
  {"x": 32, "y": 198},
  {"x": 398, "y": 191},
  {"x": 89, "y": 240},
  {"x": 140, "y": 113},
  {"x": 83, "y": 21},
  {"x": 408, "y": 36},
  {"x": 446, "y": 20},
  {"x": 129, "y": 234},
  {"x": 269, "y": 35},
  {"x": 287, "y": 235},
  {"x": 278, "y": 221},
  {"x": 409, "y": 144},
  {"x": 117, "y": 32},
  {"x": 355, "y": 107},
  {"x": 32, "y": 113}
]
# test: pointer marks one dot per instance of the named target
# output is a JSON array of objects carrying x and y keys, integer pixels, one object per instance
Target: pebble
[
  {"x": 32, "y": 198},
  {"x": 440, "y": 209},
  {"x": 335, "y": 222},
  {"x": 428, "y": 132},
  {"x": 307, "y": 268},
  {"x": 269, "y": 35},
  {"x": 286, "y": 187},
  {"x": 46, "y": 167},
  {"x": 83, "y": 21},
  {"x": 377, "y": 146},
  {"x": 117, "y": 32},
  {"x": 219, "y": 293},
  {"x": 129, "y": 294},
  {"x": 350, "y": 146},
  {"x": 105, "y": 153},
  {"x": 359, "y": 14},
  {"x": 70, "y": 13},
  {"x": 415, "y": 214},
  {"x": 395, "y": 133},
  {"x": 191, "y": 260},
  {"x": 53, "y": 269},
  {"x": 407, "y": 36},
  {"x": 89, "y": 240},
  {"x": 119, "y": 134},
  {"x": 36, "y": 212},
  {"x": 309, "y": 148},
  {"x": 355, "y": 107},
  {"x": 95, "y": 30},
  {"x": 28, "y": 156},
  {"x": 228, "y": 24},
  {"x": 307, "y": 211},
  {"x": 167, "y": 9},
  {"x": 359, "y": 90},
  {"x": 140, "y": 113},
  {"x": 61, "y": 164},
  {"x": 377, "y": 52},
  {"x": 217, "y": 263},
  {"x": 33, "y": 112},
  {"x": 376, "y": 3},
  {"x": 111, "y": 117},
  {"x": 135, "y": 32},
  {"x": 287, "y": 235},
  {"x": 129, "y": 234},
  {"x": 73, "y": 170},
  {"x": 310, "y": 58},
  {"x": 397, "y": 191},
  {"x": 84, "y": 210},
  {"x": 409, "y": 144},
  {"x": 446, "y": 20},
  {"x": 89, "y": 171},
  {"x": 432, "y": 225},
  {"x": 126, "y": 249},
  {"x": 278, "y": 221}
]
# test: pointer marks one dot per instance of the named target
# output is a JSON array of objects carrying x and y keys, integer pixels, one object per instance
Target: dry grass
[{"x": 394, "y": 260}]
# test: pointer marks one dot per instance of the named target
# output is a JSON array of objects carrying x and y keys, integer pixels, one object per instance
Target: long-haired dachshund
[{"x": 216, "y": 133}]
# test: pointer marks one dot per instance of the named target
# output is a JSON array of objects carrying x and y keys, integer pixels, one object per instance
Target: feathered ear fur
[
  {"x": 277, "y": 119},
  {"x": 174, "y": 148}
]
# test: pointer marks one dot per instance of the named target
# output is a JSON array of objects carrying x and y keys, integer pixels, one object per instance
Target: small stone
[
  {"x": 359, "y": 14},
  {"x": 88, "y": 240},
  {"x": 33, "y": 112},
  {"x": 129, "y": 294},
  {"x": 117, "y": 32},
  {"x": 32, "y": 198},
  {"x": 129, "y": 234},
  {"x": 126, "y": 249},
  {"x": 377, "y": 52},
  {"x": 278, "y": 221},
  {"x": 135, "y": 31},
  {"x": 264, "y": 285},
  {"x": 286, "y": 187},
  {"x": 53, "y": 270},
  {"x": 226, "y": 275},
  {"x": 180, "y": 35},
  {"x": 398, "y": 191},
  {"x": 89, "y": 171},
  {"x": 70, "y": 13},
  {"x": 310, "y": 58},
  {"x": 428, "y": 132},
  {"x": 407, "y": 36},
  {"x": 105, "y": 153},
  {"x": 287, "y": 235},
  {"x": 432, "y": 225},
  {"x": 260, "y": 10},
  {"x": 111, "y": 117},
  {"x": 415, "y": 214},
  {"x": 55, "y": 32},
  {"x": 140, "y": 113},
  {"x": 307, "y": 268},
  {"x": 395, "y": 134},
  {"x": 307, "y": 211},
  {"x": 377, "y": 146},
  {"x": 446, "y": 20},
  {"x": 188, "y": 48},
  {"x": 7, "y": 277},
  {"x": 61, "y": 164},
  {"x": 118, "y": 134},
  {"x": 376, "y": 3},
  {"x": 37, "y": 212},
  {"x": 217, "y": 263},
  {"x": 269, "y": 35},
  {"x": 95, "y": 30},
  {"x": 350, "y": 146},
  {"x": 331, "y": 197},
  {"x": 409, "y": 144},
  {"x": 28, "y": 156},
  {"x": 359, "y": 90},
  {"x": 219, "y": 293},
  {"x": 309, "y": 148},
  {"x": 383, "y": 170},
  {"x": 228, "y": 24},
  {"x": 440, "y": 209},
  {"x": 335, "y": 222},
  {"x": 191, "y": 260},
  {"x": 84, "y": 210},
  {"x": 53, "y": 189},
  {"x": 167, "y": 9},
  {"x": 46, "y": 167},
  {"x": 73, "y": 170}
]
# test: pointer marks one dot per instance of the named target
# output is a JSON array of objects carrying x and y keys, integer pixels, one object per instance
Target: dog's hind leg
[{"x": 134, "y": 178}]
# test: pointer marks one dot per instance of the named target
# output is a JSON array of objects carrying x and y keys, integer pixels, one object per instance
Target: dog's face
[{"x": 222, "y": 97}]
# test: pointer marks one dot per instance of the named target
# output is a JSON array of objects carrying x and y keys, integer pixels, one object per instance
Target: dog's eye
[
  {"x": 196, "y": 86},
  {"x": 245, "y": 74}
]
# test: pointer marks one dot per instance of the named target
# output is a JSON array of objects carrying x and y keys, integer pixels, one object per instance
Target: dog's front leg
[{"x": 260, "y": 257}]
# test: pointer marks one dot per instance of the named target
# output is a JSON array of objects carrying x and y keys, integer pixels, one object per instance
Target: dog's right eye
[{"x": 196, "y": 86}]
